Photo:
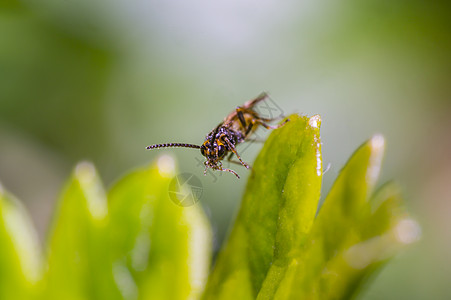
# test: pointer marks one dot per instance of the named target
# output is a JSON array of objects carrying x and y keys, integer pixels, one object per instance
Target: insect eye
[{"x": 221, "y": 151}]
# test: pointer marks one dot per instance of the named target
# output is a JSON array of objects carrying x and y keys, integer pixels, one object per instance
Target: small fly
[{"x": 223, "y": 139}]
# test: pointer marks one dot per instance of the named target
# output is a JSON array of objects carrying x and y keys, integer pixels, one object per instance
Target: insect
[{"x": 236, "y": 128}]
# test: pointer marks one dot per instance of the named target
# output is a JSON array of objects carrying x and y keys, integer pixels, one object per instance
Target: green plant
[{"x": 135, "y": 243}]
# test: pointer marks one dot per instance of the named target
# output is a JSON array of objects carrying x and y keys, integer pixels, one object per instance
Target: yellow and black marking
[{"x": 223, "y": 139}]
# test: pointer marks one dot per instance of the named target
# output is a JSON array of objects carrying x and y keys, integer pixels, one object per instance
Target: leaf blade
[
  {"x": 257, "y": 240},
  {"x": 78, "y": 249},
  {"x": 20, "y": 255},
  {"x": 162, "y": 245}
]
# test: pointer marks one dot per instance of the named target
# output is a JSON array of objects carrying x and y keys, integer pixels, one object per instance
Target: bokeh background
[{"x": 100, "y": 80}]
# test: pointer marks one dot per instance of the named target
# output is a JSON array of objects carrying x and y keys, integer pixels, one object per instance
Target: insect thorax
[{"x": 222, "y": 131}]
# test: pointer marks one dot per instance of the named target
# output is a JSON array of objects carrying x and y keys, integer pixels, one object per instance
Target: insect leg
[
  {"x": 237, "y": 163},
  {"x": 219, "y": 168},
  {"x": 229, "y": 159},
  {"x": 206, "y": 168},
  {"x": 249, "y": 128},
  {"x": 261, "y": 122},
  {"x": 239, "y": 112},
  {"x": 230, "y": 171},
  {"x": 233, "y": 149}
]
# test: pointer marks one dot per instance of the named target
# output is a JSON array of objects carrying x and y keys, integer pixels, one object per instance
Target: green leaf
[
  {"x": 380, "y": 237},
  {"x": 20, "y": 255},
  {"x": 79, "y": 249},
  {"x": 353, "y": 234},
  {"x": 335, "y": 227},
  {"x": 277, "y": 249},
  {"x": 160, "y": 250},
  {"x": 277, "y": 212}
]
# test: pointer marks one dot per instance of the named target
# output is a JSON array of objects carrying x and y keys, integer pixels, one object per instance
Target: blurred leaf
[
  {"x": 277, "y": 211},
  {"x": 161, "y": 250},
  {"x": 10, "y": 5},
  {"x": 379, "y": 240},
  {"x": 78, "y": 255},
  {"x": 20, "y": 261}
]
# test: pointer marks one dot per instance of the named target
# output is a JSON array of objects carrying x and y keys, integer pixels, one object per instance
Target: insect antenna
[{"x": 169, "y": 145}]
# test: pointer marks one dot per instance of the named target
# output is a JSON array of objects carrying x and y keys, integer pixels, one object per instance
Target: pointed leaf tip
[
  {"x": 377, "y": 146},
  {"x": 166, "y": 166},
  {"x": 85, "y": 173},
  {"x": 378, "y": 141},
  {"x": 315, "y": 121},
  {"x": 20, "y": 257}
]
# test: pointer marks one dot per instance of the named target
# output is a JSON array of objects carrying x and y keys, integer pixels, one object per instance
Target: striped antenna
[{"x": 169, "y": 145}]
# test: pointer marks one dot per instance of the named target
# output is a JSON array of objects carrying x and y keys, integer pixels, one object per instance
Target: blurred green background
[{"x": 100, "y": 80}]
